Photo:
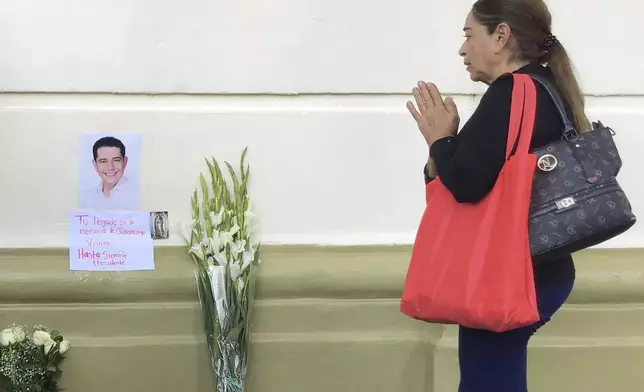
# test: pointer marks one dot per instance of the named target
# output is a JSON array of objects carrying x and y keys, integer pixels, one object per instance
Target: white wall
[{"x": 316, "y": 90}]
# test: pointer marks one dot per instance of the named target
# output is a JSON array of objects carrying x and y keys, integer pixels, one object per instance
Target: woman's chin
[{"x": 474, "y": 76}]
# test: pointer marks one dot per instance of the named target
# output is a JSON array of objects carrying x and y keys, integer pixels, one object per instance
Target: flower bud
[{"x": 64, "y": 346}]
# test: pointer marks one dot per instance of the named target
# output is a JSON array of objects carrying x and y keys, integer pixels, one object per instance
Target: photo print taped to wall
[
  {"x": 109, "y": 171},
  {"x": 159, "y": 227}
]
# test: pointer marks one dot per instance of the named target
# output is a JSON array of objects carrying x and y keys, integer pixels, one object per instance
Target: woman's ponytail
[{"x": 562, "y": 68}]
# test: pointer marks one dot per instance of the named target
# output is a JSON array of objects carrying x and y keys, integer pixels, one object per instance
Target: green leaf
[
  {"x": 204, "y": 187},
  {"x": 195, "y": 206},
  {"x": 207, "y": 219},
  {"x": 224, "y": 198},
  {"x": 216, "y": 183},
  {"x": 233, "y": 177}
]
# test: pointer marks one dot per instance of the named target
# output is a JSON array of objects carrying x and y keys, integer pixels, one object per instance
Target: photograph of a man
[{"x": 111, "y": 183}]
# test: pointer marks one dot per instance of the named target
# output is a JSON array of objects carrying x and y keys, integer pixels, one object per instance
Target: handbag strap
[
  {"x": 569, "y": 129},
  {"x": 522, "y": 114}
]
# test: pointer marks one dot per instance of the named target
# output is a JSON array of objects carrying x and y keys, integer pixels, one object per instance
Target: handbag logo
[
  {"x": 565, "y": 203},
  {"x": 547, "y": 163}
]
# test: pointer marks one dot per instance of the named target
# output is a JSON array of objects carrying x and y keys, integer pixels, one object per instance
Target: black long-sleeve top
[{"x": 470, "y": 162}]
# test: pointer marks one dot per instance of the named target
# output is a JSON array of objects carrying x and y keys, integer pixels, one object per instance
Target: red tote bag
[{"x": 471, "y": 262}]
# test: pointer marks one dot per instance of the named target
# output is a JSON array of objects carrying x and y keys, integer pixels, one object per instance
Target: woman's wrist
[{"x": 430, "y": 168}]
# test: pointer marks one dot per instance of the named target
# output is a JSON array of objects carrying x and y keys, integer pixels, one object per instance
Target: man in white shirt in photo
[{"x": 114, "y": 191}]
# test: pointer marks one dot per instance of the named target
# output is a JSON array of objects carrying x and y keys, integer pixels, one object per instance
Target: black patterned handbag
[{"x": 576, "y": 200}]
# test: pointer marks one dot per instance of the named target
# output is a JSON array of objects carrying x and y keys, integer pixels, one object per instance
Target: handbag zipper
[{"x": 574, "y": 199}]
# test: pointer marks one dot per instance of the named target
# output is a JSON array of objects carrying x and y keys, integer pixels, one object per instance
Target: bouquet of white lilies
[{"x": 225, "y": 255}]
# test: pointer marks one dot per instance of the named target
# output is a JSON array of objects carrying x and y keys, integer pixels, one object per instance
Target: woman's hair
[{"x": 530, "y": 24}]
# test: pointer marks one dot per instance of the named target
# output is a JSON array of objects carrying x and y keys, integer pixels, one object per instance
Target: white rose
[
  {"x": 64, "y": 346},
  {"x": 6, "y": 337},
  {"x": 41, "y": 338},
  {"x": 48, "y": 346}
]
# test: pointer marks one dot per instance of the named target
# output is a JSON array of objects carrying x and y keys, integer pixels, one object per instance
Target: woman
[{"x": 501, "y": 37}]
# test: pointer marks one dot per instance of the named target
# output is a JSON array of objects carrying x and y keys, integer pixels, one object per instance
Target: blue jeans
[{"x": 497, "y": 362}]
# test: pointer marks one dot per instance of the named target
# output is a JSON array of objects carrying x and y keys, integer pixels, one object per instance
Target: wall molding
[
  {"x": 287, "y": 271},
  {"x": 318, "y": 307}
]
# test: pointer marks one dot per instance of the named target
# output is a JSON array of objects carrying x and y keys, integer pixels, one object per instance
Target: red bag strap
[
  {"x": 529, "y": 114},
  {"x": 516, "y": 112},
  {"x": 522, "y": 114}
]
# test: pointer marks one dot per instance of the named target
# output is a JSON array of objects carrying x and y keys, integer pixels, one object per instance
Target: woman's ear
[{"x": 501, "y": 36}]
